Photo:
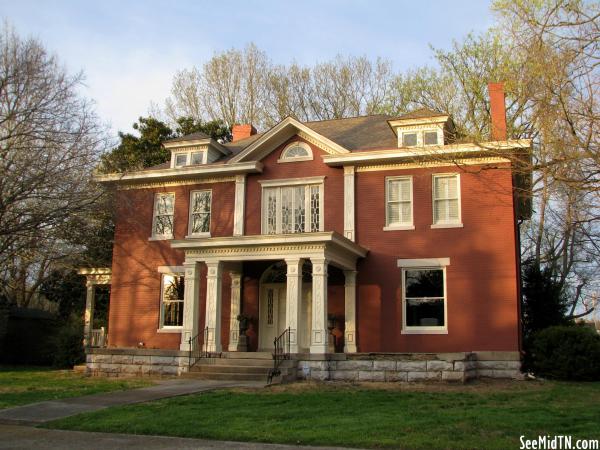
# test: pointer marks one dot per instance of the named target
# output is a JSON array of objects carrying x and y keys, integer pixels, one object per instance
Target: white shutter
[{"x": 446, "y": 199}]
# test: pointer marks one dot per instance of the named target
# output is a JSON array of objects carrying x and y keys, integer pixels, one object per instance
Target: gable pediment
[{"x": 281, "y": 133}]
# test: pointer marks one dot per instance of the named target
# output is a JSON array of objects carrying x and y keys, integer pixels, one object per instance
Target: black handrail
[
  {"x": 197, "y": 346},
  {"x": 281, "y": 351}
]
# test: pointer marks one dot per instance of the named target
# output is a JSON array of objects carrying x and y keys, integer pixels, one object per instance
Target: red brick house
[{"x": 381, "y": 244}]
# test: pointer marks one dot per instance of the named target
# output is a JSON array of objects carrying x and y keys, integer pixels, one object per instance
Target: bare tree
[{"x": 50, "y": 140}]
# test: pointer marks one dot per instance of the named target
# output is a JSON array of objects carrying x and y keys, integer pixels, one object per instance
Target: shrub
[
  {"x": 567, "y": 353},
  {"x": 69, "y": 344}
]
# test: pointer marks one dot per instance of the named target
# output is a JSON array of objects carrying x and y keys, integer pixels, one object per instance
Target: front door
[{"x": 272, "y": 314}]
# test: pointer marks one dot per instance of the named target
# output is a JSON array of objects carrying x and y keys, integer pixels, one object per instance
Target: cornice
[
  {"x": 159, "y": 184},
  {"x": 424, "y": 164}
]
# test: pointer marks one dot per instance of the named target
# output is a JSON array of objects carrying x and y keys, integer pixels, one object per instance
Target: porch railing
[
  {"x": 281, "y": 352},
  {"x": 98, "y": 337},
  {"x": 197, "y": 346}
]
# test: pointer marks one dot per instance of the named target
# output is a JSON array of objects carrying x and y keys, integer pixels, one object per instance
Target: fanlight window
[{"x": 296, "y": 151}]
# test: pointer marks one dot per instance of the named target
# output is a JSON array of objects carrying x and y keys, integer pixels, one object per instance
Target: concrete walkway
[
  {"x": 21, "y": 437},
  {"x": 38, "y": 413}
]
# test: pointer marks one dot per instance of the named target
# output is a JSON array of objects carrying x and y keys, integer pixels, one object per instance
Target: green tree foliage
[{"x": 216, "y": 129}]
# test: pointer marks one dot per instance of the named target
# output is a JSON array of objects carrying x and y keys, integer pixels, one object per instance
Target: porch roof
[{"x": 330, "y": 245}]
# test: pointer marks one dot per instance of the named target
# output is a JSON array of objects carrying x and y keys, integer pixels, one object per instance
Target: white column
[
  {"x": 349, "y": 202},
  {"x": 236, "y": 295},
  {"x": 213, "y": 305},
  {"x": 293, "y": 309},
  {"x": 191, "y": 304},
  {"x": 88, "y": 316},
  {"x": 320, "y": 334},
  {"x": 350, "y": 311},
  {"x": 240, "y": 203}
]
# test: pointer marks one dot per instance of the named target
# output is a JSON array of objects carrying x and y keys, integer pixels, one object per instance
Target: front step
[{"x": 240, "y": 366}]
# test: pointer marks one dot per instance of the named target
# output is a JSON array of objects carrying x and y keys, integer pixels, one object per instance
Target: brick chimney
[
  {"x": 497, "y": 111},
  {"x": 242, "y": 131}
]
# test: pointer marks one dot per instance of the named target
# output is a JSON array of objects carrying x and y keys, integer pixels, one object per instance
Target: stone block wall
[{"x": 135, "y": 362}]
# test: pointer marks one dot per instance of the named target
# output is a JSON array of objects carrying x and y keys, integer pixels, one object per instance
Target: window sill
[
  {"x": 198, "y": 236},
  {"x": 398, "y": 227},
  {"x": 425, "y": 330},
  {"x": 170, "y": 330},
  {"x": 447, "y": 225},
  {"x": 161, "y": 238},
  {"x": 291, "y": 160}
]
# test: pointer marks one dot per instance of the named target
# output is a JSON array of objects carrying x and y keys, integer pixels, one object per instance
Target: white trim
[
  {"x": 288, "y": 159},
  {"x": 399, "y": 225},
  {"x": 170, "y": 330},
  {"x": 161, "y": 317},
  {"x": 349, "y": 200},
  {"x": 423, "y": 263},
  {"x": 240, "y": 205},
  {"x": 183, "y": 172},
  {"x": 204, "y": 233},
  {"x": 161, "y": 238},
  {"x": 406, "y": 153},
  {"x": 424, "y": 329},
  {"x": 400, "y": 123},
  {"x": 292, "y": 181},
  {"x": 171, "y": 269},
  {"x": 446, "y": 224},
  {"x": 398, "y": 228}
]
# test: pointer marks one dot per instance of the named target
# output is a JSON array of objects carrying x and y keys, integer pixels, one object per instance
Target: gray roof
[
  {"x": 190, "y": 137},
  {"x": 354, "y": 133}
]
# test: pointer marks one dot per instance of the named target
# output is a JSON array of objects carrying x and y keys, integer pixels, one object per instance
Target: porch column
[
  {"x": 293, "y": 299},
  {"x": 90, "y": 299},
  {"x": 320, "y": 335},
  {"x": 213, "y": 305},
  {"x": 234, "y": 327},
  {"x": 191, "y": 304},
  {"x": 350, "y": 311}
]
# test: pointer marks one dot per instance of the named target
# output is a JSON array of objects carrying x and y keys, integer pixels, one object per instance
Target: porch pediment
[
  {"x": 280, "y": 133},
  {"x": 331, "y": 246}
]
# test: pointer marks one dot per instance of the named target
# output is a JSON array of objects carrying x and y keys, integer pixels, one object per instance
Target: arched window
[{"x": 296, "y": 151}]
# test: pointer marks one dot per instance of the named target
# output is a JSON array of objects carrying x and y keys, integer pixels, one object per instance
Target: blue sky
[{"x": 129, "y": 50}]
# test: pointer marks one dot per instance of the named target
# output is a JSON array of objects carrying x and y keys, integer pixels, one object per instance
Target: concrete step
[
  {"x": 247, "y": 355},
  {"x": 235, "y": 362},
  {"x": 230, "y": 369},
  {"x": 226, "y": 376}
]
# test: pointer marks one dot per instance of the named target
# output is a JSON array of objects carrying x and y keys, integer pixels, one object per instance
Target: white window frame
[
  {"x": 446, "y": 224},
  {"x": 424, "y": 264},
  {"x": 190, "y": 212},
  {"x": 399, "y": 226},
  {"x": 159, "y": 237},
  {"x": 283, "y": 158},
  {"x": 307, "y": 183},
  {"x": 172, "y": 271},
  {"x": 188, "y": 160},
  {"x": 437, "y": 133},
  {"x": 416, "y": 133}
]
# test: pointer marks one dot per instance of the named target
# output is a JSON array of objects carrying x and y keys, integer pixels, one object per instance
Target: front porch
[{"x": 294, "y": 299}]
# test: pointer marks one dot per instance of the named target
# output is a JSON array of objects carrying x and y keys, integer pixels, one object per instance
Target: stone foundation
[
  {"x": 123, "y": 362},
  {"x": 390, "y": 367}
]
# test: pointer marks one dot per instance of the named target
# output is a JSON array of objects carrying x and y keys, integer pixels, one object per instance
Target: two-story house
[{"x": 376, "y": 248}]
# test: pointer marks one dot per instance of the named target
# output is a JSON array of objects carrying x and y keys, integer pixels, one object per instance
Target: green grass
[
  {"x": 22, "y": 385},
  {"x": 482, "y": 415}
]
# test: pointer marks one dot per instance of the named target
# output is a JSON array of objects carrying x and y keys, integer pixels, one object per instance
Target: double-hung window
[
  {"x": 446, "y": 200},
  {"x": 200, "y": 206},
  {"x": 164, "y": 208},
  {"x": 424, "y": 298},
  {"x": 171, "y": 310},
  {"x": 399, "y": 203},
  {"x": 293, "y": 208}
]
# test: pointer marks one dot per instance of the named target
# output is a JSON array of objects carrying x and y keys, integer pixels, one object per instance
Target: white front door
[{"x": 272, "y": 314}]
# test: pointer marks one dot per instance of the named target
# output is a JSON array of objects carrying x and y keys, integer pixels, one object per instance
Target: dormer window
[
  {"x": 296, "y": 151},
  {"x": 409, "y": 139},
  {"x": 197, "y": 158},
  {"x": 430, "y": 137},
  {"x": 181, "y": 160}
]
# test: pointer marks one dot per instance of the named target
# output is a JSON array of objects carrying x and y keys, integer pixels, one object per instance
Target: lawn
[
  {"x": 22, "y": 385},
  {"x": 480, "y": 415}
]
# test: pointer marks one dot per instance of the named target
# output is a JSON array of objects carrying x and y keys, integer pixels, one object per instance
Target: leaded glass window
[
  {"x": 292, "y": 209},
  {"x": 200, "y": 204},
  {"x": 164, "y": 206}
]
